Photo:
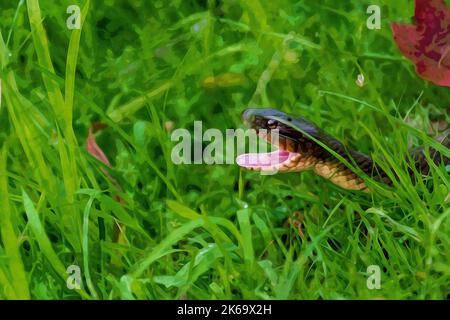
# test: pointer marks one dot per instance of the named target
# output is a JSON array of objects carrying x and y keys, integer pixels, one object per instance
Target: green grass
[{"x": 211, "y": 231}]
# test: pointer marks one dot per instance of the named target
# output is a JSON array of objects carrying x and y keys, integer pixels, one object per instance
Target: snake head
[
  {"x": 288, "y": 134},
  {"x": 296, "y": 134}
]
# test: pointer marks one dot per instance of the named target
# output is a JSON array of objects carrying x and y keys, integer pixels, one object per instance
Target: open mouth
[{"x": 265, "y": 161}]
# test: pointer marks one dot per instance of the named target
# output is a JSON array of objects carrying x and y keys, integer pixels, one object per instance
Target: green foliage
[{"x": 165, "y": 231}]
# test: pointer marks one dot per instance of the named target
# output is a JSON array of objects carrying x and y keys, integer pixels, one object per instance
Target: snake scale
[{"x": 304, "y": 146}]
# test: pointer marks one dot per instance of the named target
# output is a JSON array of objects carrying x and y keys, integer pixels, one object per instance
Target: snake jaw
[
  {"x": 267, "y": 161},
  {"x": 283, "y": 160}
]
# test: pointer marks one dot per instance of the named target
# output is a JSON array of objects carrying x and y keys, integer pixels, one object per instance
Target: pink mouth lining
[{"x": 263, "y": 160}]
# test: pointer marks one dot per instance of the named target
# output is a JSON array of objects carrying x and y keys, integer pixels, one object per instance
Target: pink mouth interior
[{"x": 252, "y": 160}]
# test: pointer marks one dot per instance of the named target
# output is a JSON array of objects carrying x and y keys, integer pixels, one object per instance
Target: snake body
[{"x": 306, "y": 147}]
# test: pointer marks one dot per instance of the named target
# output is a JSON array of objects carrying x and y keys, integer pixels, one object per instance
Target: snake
[{"x": 302, "y": 145}]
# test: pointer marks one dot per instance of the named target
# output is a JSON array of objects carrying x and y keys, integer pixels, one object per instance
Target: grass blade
[{"x": 10, "y": 239}]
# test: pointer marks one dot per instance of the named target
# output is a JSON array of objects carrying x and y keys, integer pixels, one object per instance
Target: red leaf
[
  {"x": 427, "y": 43},
  {"x": 93, "y": 148}
]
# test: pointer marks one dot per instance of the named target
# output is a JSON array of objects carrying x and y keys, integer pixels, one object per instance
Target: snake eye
[{"x": 272, "y": 124}]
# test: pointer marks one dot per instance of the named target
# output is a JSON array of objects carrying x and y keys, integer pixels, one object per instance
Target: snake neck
[
  {"x": 341, "y": 175},
  {"x": 325, "y": 163},
  {"x": 335, "y": 170}
]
